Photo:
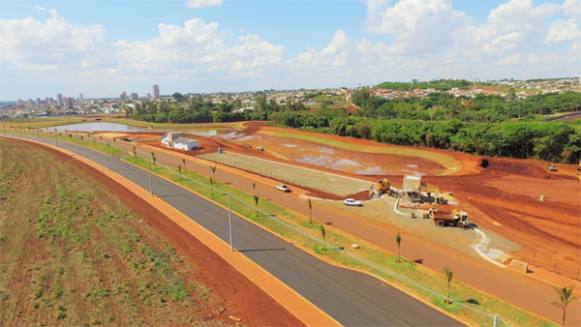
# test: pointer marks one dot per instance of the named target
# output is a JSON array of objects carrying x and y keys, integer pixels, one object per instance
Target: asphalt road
[{"x": 352, "y": 298}]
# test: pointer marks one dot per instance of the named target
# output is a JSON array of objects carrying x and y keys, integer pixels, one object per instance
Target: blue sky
[{"x": 234, "y": 45}]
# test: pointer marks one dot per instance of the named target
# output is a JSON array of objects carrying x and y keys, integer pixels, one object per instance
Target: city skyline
[{"x": 210, "y": 46}]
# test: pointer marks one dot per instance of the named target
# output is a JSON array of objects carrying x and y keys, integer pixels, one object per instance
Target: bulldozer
[{"x": 442, "y": 218}]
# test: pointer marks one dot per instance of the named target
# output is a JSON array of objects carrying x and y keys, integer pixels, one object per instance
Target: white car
[
  {"x": 260, "y": 148},
  {"x": 283, "y": 188},
  {"x": 352, "y": 203}
]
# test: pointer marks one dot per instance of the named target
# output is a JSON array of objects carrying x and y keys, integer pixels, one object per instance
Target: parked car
[
  {"x": 283, "y": 188},
  {"x": 352, "y": 203},
  {"x": 260, "y": 148}
]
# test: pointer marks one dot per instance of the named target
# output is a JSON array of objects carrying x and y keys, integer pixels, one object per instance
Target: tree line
[
  {"x": 553, "y": 141},
  {"x": 481, "y": 108}
]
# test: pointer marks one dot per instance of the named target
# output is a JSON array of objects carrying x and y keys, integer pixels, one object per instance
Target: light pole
[
  {"x": 150, "y": 182},
  {"x": 230, "y": 223}
]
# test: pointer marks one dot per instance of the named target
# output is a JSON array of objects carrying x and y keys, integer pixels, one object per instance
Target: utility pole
[
  {"x": 150, "y": 182},
  {"x": 109, "y": 161},
  {"x": 230, "y": 223}
]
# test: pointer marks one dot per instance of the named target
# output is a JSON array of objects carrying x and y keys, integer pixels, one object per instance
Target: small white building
[
  {"x": 176, "y": 140},
  {"x": 412, "y": 183}
]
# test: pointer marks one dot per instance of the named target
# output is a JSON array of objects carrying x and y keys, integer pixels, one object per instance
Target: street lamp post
[
  {"x": 150, "y": 181},
  {"x": 230, "y": 223}
]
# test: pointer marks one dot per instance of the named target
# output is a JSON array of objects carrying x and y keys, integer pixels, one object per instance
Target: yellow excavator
[{"x": 382, "y": 186}]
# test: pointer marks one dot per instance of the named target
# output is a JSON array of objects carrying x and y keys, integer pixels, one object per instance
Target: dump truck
[{"x": 456, "y": 217}]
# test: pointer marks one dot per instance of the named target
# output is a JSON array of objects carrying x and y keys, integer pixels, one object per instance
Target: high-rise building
[
  {"x": 123, "y": 96},
  {"x": 134, "y": 96},
  {"x": 155, "y": 91},
  {"x": 69, "y": 102},
  {"x": 81, "y": 97},
  {"x": 60, "y": 99}
]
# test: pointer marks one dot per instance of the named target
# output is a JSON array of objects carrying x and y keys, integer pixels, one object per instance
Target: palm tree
[
  {"x": 256, "y": 200},
  {"x": 212, "y": 185},
  {"x": 153, "y": 158},
  {"x": 398, "y": 241},
  {"x": 565, "y": 297},
  {"x": 449, "y": 276},
  {"x": 310, "y": 211},
  {"x": 324, "y": 235}
]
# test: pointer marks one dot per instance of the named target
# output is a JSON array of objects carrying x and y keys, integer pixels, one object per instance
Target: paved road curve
[{"x": 351, "y": 298}]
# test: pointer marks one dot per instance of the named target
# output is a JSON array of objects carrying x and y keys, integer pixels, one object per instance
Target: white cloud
[
  {"x": 563, "y": 30},
  {"x": 417, "y": 25},
  {"x": 198, "y": 47},
  {"x": 572, "y": 8},
  {"x": 203, "y": 3},
  {"x": 406, "y": 39},
  {"x": 334, "y": 54},
  {"x": 52, "y": 44}
]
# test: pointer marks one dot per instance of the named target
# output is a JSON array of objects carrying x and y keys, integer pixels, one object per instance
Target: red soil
[
  {"x": 505, "y": 198},
  {"x": 243, "y": 299}
]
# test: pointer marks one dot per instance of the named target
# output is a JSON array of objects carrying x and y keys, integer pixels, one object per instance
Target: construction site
[
  {"x": 485, "y": 212},
  {"x": 513, "y": 203}
]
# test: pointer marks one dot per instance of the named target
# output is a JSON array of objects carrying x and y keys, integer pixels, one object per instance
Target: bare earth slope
[{"x": 72, "y": 253}]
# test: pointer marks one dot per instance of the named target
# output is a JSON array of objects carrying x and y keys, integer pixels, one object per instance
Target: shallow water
[{"x": 95, "y": 127}]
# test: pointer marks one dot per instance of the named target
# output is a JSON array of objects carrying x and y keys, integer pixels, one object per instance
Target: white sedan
[
  {"x": 352, "y": 203},
  {"x": 283, "y": 188}
]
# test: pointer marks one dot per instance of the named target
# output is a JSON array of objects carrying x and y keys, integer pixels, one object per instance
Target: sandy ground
[{"x": 240, "y": 297}]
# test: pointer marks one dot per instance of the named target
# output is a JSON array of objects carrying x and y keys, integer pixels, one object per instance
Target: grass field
[
  {"x": 310, "y": 178},
  {"x": 40, "y": 122},
  {"x": 452, "y": 165},
  {"x": 185, "y": 127},
  {"x": 73, "y": 254}
]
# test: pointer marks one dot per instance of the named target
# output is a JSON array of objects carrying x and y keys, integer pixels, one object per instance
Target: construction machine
[
  {"x": 382, "y": 186},
  {"x": 456, "y": 217}
]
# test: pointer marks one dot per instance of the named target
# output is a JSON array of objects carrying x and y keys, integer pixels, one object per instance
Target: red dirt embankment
[{"x": 243, "y": 299}]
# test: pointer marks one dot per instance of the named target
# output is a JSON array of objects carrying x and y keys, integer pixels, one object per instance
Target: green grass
[{"x": 190, "y": 126}]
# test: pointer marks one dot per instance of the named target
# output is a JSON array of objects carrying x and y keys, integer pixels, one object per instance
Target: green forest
[{"x": 485, "y": 125}]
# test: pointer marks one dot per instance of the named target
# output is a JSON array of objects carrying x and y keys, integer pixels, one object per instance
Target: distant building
[
  {"x": 176, "y": 140},
  {"x": 155, "y": 91},
  {"x": 123, "y": 96},
  {"x": 60, "y": 99},
  {"x": 69, "y": 102},
  {"x": 81, "y": 97},
  {"x": 134, "y": 96}
]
